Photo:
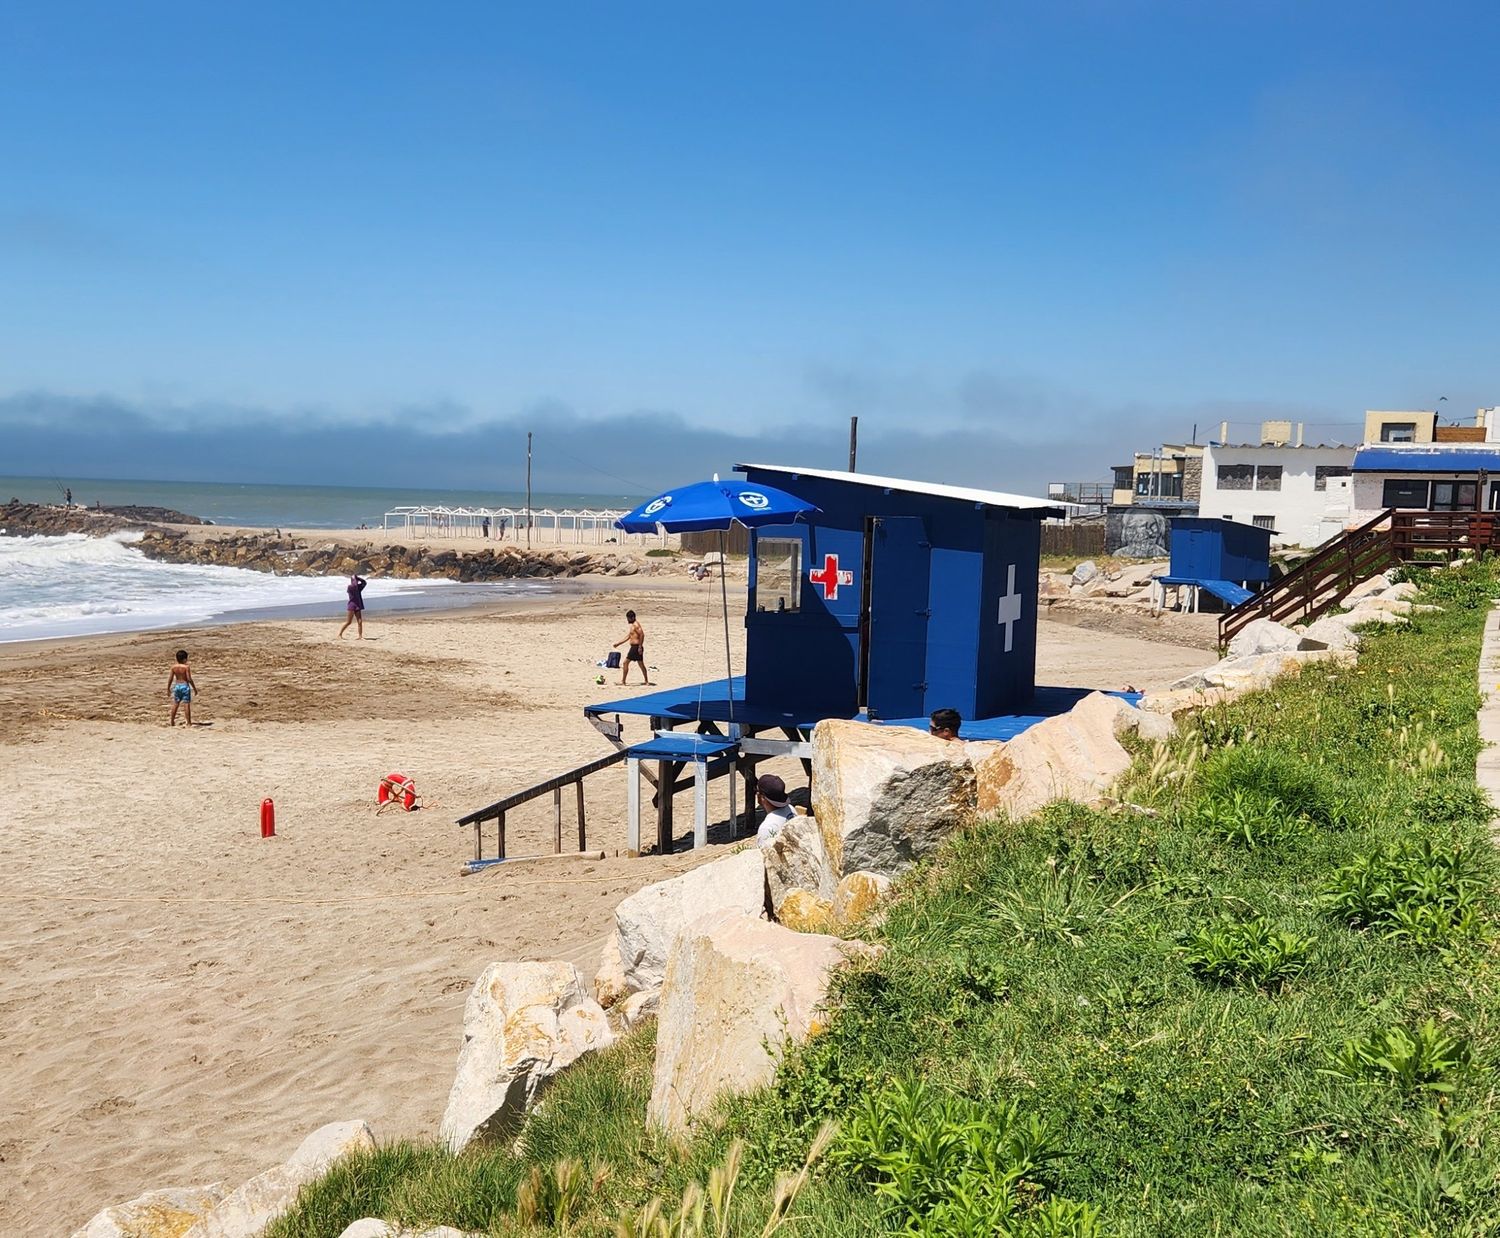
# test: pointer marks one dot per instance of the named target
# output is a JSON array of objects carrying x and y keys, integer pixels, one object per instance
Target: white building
[{"x": 1301, "y": 493}]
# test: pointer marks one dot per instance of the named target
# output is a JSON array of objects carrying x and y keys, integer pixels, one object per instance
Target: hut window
[{"x": 778, "y": 574}]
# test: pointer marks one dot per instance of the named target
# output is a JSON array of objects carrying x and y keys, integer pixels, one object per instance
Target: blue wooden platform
[
  {"x": 1227, "y": 590},
  {"x": 709, "y": 702}
]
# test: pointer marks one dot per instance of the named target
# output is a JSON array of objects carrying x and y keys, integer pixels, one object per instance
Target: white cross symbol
[{"x": 1010, "y": 606}]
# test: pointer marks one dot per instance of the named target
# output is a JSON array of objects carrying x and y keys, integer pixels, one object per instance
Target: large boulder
[
  {"x": 1403, "y": 592},
  {"x": 1085, "y": 572},
  {"x": 610, "y": 982},
  {"x": 795, "y": 860},
  {"x": 1330, "y": 632},
  {"x": 166, "y": 1213},
  {"x": 1263, "y": 636},
  {"x": 523, "y": 1023},
  {"x": 885, "y": 796},
  {"x": 1368, "y": 612},
  {"x": 858, "y": 895},
  {"x": 1173, "y": 703},
  {"x": 245, "y": 1212},
  {"x": 1260, "y": 670},
  {"x": 1367, "y": 588},
  {"x": 648, "y": 922},
  {"x": 737, "y": 990},
  {"x": 806, "y": 912},
  {"x": 1072, "y": 756}
]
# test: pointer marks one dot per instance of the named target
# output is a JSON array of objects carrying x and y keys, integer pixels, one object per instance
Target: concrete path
[{"x": 1487, "y": 767}]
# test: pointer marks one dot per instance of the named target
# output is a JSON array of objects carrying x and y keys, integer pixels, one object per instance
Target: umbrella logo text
[
  {"x": 656, "y": 505},
  {"x": 751, "y": 498}
]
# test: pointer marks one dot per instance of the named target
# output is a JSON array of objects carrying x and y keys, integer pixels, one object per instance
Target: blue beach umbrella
[{"x": 716, "y": 505}]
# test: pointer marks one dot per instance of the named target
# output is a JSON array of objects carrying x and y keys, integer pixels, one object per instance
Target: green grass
[{"x": 1263, "y": 1000}]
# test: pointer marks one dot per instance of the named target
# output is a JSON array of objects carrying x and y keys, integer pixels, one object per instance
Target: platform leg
[
  {"x": 700, "y": 804},
  {"x": 633, "y": 805},
  {"x": 582, "y": 833},
  {"x": 556, "y": 820},
  {"x": 665, "y": 795}
]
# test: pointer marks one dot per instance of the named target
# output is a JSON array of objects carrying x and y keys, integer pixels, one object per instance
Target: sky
[{"x": 377, "y": 243}]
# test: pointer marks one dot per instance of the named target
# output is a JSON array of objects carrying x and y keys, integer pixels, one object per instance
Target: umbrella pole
[{"x": 724, "y": 597}]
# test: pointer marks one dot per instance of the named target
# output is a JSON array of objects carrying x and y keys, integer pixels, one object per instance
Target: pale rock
[
  {"x": 1262, "y": 636},
  {"x": 885, "y": 796},
  {"x": 1402, "y": 592},
  {"x": 167, "y": 1213},
  {"x": 1173, "y": 703},
  {"x": 245, "y": 1212},
  {"x": 1366, "y": 613},
  {"x": 1085, "y": 572},
  {"x": 737, "y": 990},
  {"x": 639, "y": 1007},
  {"x": 1330, "y": 632},
  {"x": 1367, "y": 588},
  {"x": 370, "y": 1227},
  {"x": 1072, "y": 756},
  {"x": 523, "y": 1023},
  {"x": 1392, "y": 606},
  {"x": 860, "y": 894},
  {"x": 795, "y": 860},
  {"x": 806, "y": 912},
  {"x": 1052, "y": 587},
  {"x": 1260, "y": 670},
  {"x": 648, "y": 922},
  {"x": 610, "y": 983}
]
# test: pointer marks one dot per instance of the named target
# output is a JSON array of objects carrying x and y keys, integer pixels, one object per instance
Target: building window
[
  {"x": 1158, "y": 485},
  {"x": 1265, "y": 522},
  {"x": 1236, "y": 476},
  {"x": 1454, "y": 496},
  {"x": 1401, "y": 492},
  {"x": 1124, "y": 477},
  {"x": 1323, "y": 472},
  {"x": 1268, "y": 477},
  {"x": 1398, "y": 432},
  {"x": 778, "y": 574}
]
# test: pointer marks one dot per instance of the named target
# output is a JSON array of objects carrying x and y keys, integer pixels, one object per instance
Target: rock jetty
[{"x": 287, "y": 556}]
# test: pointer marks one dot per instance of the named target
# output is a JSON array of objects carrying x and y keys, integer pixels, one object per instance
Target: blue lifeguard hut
[
  {"x": 886, "y": 600},
  {"x": 893, "y": 599},
  {"x": 1221, "y": 557}
]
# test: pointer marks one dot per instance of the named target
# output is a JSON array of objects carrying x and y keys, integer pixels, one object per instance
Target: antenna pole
[
  {"x": 528, "y": 488},
  {"x": 853, "y": 441}
]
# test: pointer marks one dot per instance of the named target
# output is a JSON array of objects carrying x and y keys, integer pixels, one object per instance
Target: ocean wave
[{"x": 75, "y": 585}]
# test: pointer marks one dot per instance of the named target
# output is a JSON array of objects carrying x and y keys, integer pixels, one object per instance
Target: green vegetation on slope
[{"x": 1261, "y": 999}]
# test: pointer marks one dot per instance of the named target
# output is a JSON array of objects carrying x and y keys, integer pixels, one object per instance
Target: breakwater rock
[
  {"x": 54, "y": 519},
  {"x": 286, "y": 556}
]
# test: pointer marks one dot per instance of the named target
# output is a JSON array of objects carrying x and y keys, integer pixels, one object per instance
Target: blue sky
[{"x": 1017, "y": 240}]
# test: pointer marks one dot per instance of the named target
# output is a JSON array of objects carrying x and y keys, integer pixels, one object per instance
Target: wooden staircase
[
  {"x": 1320, "y": 581},
  {"x": 1317, "y": 583}
]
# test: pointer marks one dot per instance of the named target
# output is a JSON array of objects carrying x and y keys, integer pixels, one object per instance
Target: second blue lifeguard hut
[{"x": 895, "y": 598}]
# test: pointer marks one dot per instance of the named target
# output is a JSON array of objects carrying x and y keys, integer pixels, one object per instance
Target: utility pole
[
  {"x": 853, "y": 441},
  {"x": 528, "y": 488}
]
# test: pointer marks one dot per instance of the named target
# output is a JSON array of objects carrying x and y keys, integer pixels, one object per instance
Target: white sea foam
[{"x": 75, "y": 585}]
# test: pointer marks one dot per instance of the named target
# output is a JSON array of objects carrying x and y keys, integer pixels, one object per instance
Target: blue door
[{"x": 900, "y": 563}]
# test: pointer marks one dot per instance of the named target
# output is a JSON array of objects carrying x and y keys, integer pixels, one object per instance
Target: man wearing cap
[{"x": 770, "y": 791}]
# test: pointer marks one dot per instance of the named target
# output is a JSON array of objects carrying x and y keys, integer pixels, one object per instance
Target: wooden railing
[
  {"x": 1319, "y": 581},
  {"x": 496, "y": 812},
  {"x": 1394, "y": 536}
]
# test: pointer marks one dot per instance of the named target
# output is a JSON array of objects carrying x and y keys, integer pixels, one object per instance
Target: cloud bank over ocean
[{"x": 982, "y": 429}]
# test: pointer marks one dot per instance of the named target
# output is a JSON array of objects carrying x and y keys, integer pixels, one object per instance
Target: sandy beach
[{"x": 182, "y": 1001}]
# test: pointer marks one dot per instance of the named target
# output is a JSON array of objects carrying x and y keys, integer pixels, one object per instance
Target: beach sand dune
[{"x": 181, "y": 1000}]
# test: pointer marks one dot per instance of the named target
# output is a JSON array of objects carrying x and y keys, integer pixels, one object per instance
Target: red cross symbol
[{"x": 831, "y": 578}]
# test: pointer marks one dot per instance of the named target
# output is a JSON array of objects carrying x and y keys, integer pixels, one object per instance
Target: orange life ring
[{"x": 398, "y": 789}]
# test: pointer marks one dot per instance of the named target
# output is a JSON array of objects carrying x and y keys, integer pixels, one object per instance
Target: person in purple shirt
[{"x": 356, "y": 606}]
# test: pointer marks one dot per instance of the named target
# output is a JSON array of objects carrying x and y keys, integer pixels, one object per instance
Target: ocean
[
  {"x": 79, "y": 586},
  {"x": 272, "y": 507}
]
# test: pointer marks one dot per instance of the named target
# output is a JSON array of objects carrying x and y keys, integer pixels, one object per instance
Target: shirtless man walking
[{"x": 635, "y": 637}]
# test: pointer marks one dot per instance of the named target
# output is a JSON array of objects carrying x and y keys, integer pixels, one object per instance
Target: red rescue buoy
[
  {"x": 398, "y": 789},
  {"x": 267, "y": 819}
]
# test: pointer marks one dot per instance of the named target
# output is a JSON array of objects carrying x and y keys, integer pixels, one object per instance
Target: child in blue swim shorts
[{"x": 180, "y": 688}]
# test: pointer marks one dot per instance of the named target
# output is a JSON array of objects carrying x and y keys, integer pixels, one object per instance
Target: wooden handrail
[{"x": 496, "y": 811}]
